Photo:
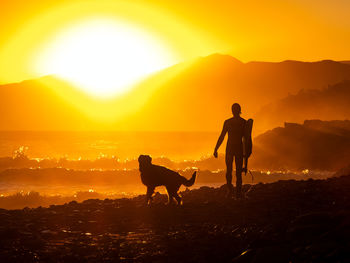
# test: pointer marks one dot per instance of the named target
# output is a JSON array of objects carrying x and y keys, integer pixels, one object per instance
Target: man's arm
[{"x": 220, "y": 140}]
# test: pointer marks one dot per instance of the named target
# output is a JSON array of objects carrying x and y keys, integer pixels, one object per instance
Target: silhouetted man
[{"x": 235, "y": 128}]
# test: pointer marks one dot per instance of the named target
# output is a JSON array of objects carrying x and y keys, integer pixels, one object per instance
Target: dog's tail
[{"x": 190, "y": 182}]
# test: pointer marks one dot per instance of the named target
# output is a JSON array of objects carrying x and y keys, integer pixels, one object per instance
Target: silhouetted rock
[{"x": 313, "y": 145}]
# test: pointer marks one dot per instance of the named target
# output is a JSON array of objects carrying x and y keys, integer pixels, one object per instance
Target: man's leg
[
  {"x": 229, "y": 162},
  {"x": 239, "y": 164}
]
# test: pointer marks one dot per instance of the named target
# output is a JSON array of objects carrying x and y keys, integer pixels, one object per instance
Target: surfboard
[{"x": 248, "y": 143}]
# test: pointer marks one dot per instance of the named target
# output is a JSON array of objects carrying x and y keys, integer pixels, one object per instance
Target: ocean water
[
  {"x": 124, "y": 145},
  {"x": 22, "y": 185}
]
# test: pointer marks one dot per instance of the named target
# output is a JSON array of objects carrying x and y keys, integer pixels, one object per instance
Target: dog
[{"x": 155, "y": 175}]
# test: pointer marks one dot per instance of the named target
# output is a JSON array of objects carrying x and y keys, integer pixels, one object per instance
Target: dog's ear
[{"x": 148, "y": 158}]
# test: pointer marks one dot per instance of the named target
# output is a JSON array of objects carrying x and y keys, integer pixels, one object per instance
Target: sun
[{"x": 103, "y": 57}]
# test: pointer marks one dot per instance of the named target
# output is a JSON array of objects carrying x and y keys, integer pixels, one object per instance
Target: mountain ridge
[
  {"x": 327, "y": 104},
  {"x": 194, "y": 96}
]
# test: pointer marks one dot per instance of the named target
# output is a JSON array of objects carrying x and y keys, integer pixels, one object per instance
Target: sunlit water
[
  {"x": 124, "y": 145},
  {"x": 80, "y": 177}
]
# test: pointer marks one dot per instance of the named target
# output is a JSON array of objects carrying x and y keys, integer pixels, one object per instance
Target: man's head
[{"x": 236, "y": 109}]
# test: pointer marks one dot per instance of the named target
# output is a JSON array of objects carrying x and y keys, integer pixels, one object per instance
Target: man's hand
[{"x": 215, "y": 154}]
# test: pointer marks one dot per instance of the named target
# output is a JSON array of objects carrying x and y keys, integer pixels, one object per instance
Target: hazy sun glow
[{"x": 103, "y": 57}]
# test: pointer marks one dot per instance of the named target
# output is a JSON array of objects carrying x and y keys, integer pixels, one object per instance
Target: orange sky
[
  {"x": 271, "y": 30},
  {"x": 249, "y": 30}
]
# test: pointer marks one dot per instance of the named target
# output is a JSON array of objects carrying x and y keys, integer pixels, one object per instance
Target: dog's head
[{"x": 144, "y": 162}]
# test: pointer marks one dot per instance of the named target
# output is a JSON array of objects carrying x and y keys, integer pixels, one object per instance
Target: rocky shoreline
[{"x": 285, "y": 221}]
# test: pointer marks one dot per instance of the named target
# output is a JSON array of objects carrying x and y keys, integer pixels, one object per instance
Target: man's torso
[{"x": 235, "y": 130}]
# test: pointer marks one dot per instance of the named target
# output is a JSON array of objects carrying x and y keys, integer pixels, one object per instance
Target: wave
[{"x": 25, "y": 187}]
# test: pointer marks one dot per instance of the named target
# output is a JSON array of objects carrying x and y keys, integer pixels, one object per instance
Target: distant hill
[
  {"x": 327, "y": 104},
  {"x": 31, "y": 105},
  {"x": 200, "y": 97},
  {"x": 315, "y": 144},
  {"x": 195, "y": 97}
]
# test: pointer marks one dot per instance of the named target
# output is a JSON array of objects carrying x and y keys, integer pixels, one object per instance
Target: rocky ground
[{"x": 286, "y": 221}]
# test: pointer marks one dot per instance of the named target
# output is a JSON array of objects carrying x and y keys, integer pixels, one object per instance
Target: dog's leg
[
  {"x": 150, "y": 191},
  {"x": 178, "y": 198},
  {"x": 170, "y": 199},
  {"x": 170, "y": 196}
]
